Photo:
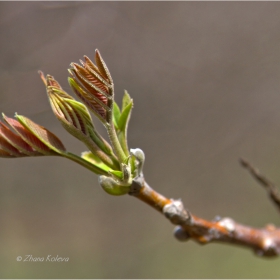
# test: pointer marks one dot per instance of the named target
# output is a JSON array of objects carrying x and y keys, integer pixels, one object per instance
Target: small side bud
[
  {"x": 181, "y": 234},
  {"x": 228, "y": 224},
  {"x": 176, "y": 213},
  {"x": 111, "y": 186}
]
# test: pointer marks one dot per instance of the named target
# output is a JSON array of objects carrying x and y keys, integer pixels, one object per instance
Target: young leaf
[
  {"x": 8, "y": 149},
  {"x": 125, "y": 116},
  {"x": 118, "y": 174},
  {"x": 87, "y": 164},
  {"x": 94, "y": 85},
  {"x": 127, "y": 105},
  {"x": 30, "y": 139},
  {"x": 93, "y": 159},
  {"x": 116, "y": 115},
  {"x": 102, "y": 66},
  {"x": 14, "y": 144},
  {"x": 126, "y": 99},
  {"x": 42, "y": 134},
  {"x": 99, "y": 108},
  {"x": 75, "y": 118}
]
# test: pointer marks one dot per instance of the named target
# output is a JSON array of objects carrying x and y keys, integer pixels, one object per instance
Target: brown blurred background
[{"x": 205, "y": 79}]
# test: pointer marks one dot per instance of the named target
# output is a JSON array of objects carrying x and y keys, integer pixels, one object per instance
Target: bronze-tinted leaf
[
  {"x": 28, "y": 137},
  {"x": 42, "y": 134},
  {"x": 5, "y": 154},
  {"x": 16, "y": 141},
  {"x": 102, "y": 66},
  {"x": 93, "y": 84},
  {"x": 9, "y": 149},
  {"x": 92, "y": 102}
]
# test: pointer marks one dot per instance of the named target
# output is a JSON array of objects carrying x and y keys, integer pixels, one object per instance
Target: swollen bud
[{"x": 111, "y": 186}]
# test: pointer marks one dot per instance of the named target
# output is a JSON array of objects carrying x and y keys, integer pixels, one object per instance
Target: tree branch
[
  {"x": 263, "y": 241},
  {"x": 269, "y": 186}
]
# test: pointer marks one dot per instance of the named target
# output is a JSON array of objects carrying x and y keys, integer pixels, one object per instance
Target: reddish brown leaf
[
  {"x": 93, "y": 84},
  {"x": 28, "y": 137},
  {"x": 5, "y": 154},
  {"x": 87, "y": 98},
  {"x": 16, "y": 141},
  {"x": 102, "y": 66},
  {"x": 8, "y": 148},
  {"x": 45, "y": 136}
]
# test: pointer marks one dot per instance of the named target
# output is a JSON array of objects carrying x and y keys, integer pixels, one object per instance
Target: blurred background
[{"x": 205, "y": 79}]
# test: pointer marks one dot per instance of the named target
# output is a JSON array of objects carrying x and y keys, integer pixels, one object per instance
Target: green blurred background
[{"x": 205, "y": 79}]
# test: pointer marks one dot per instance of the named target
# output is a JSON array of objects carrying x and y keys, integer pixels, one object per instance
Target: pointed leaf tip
[
  {"x": 125, "y": 116},
  {"x": 102, "y": 66},
  {"x": 42, "y": 76}
]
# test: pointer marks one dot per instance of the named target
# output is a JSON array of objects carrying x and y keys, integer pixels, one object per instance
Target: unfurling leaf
[
  {"x": 117, "y": 174},
  {"x": 75, "y": 118},
  {"x": 102, "y": 66},
  {"x": 12, "y": 145},
  {"x": 125, "y": 115},
  {"x": 93, "y": 159},
  {"x": 126, "y": 100},
  {"x": 116, "y": 115},
  {"x": 28, "y": 139},
  {"x": 42, "y": 134},
  {"x": 122, "y": 120},
  {"x": 93, "y": 84}
]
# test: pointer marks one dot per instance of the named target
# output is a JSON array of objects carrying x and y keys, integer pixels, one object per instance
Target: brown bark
[{"x": 264, "y": 241}]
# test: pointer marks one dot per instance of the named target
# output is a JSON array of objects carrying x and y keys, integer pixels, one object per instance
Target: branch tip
[{"x": 265, "y": 182}]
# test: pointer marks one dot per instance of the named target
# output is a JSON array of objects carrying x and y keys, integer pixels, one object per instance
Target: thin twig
[
  {"x": 263, "y": 241},
  {"x": 267, "y": 184}
]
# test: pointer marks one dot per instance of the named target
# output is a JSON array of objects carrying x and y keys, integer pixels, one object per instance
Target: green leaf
[
  {"x": 82, "y": 112},
  {"x": 118, "y": 174},
  {"x": 85, "y": 163},
  {"x": 125, "y": 115},
  {"x": 116, "y": 115},
  {"x": 126, "y": 99},
  {"x": 93, "y": 159},
  {"x": 127, "y": 104}
]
